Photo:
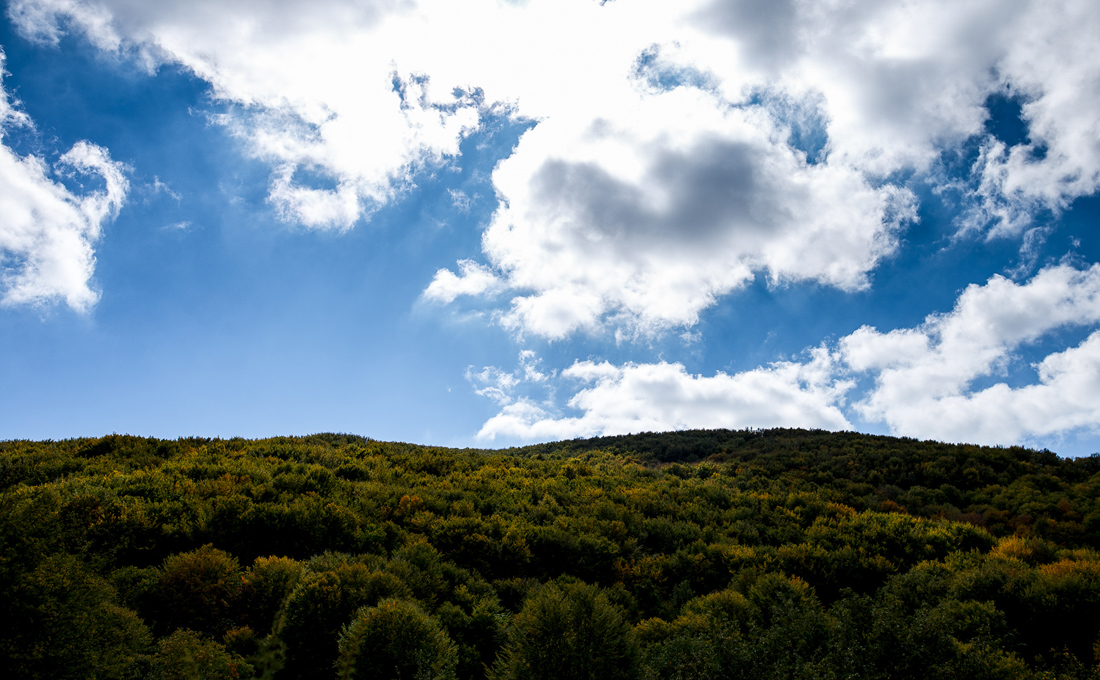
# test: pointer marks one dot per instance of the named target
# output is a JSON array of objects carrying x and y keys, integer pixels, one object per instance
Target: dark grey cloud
[{"x": 717, "y": 193}]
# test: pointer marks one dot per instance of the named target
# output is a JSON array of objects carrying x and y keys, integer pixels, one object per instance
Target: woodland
[{"x": 705, "y": 554}]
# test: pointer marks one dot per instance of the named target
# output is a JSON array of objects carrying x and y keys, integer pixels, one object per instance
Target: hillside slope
[{"x": 703, "y": 554}]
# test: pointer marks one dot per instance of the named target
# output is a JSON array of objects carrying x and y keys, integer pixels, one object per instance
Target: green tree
[
  {"x": 186, "y": 655},
  {"x": 396, "y": 640},
  {"x": 683, "y": 657},
  {"x": 321, "y": 604},
  {"x": 70, "y": 626},
  {"x": 266, "y": 587},
  {"x": 197, "y": 590},
  {"x": 568, "y": 632}
]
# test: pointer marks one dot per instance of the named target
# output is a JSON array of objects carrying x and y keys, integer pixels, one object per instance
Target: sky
[{"x": 496, "y": 222}]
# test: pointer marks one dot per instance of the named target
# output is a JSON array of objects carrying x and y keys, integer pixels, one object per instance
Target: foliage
[
  {"x": 186, "y": 655},
  {"x": 196, "y": 590},
  {"x": 396, "y": 640},
  {"x": 703, "y": 554},
  {"x": 65, "y": 623},
  {"x": 568, "y": 632}
]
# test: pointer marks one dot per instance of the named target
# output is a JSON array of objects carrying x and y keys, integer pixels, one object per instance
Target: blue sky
[{"x": 508, "y": 222}]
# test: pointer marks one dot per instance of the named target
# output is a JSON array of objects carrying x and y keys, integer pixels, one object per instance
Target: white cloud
[
  {"x": 47, "y": 232},
  {"x": 493, "y": 383},
  {"x": 500, "y": 386},
  {"x": 682, "y": 148},
  {"x": 530, "y": 364},
  {"x": 648, "y": 221},
  {"x": 475, "y": 279},
  {"x": 1054, "y": 67},
  {"x": 602, "y": 224},
  {"x": 316, "y": 208},
  {"x": 1065, "y": 398},
  {"x": 664, "y": 396},
  {"x": 318, "y": 88},
  {"x": 923, "y": 376},
  {"x": 163, "y": 187},
  {"x": 461, "y": 201}
]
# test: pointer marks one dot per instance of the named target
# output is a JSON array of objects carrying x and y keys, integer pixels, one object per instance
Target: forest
[{"x": 703, "y": 554}]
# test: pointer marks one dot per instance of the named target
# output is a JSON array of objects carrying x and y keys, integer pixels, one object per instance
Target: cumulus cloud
[
  {"x": 762, "y": 138},
  {"x": 315, "y": 89},
  {"x": 922, "y": 379},
  {"x": 681, "y": 149},
  {"x": 474, "y": 279},
  {"x": 647, "y": 222},
  {"x": 923, "y": 376},
  {"x": 48, "y": 232},
  {"x": 1064, "y": 398},
  {"x": 664, "y": 396},
  {"x": 1054, "y": 69}
]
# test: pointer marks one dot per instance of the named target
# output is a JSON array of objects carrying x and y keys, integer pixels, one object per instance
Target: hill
[{"x": 700, "y": 554}]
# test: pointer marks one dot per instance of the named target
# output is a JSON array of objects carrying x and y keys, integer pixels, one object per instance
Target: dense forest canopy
[{"x": 700, "y": 554}]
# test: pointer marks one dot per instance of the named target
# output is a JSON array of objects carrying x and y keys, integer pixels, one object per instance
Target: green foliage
[
  {"x": 197, "y": 590},
  {"x": 65, "y": 623},
  {"x": 322, "y": 603},
  {"x": 396, "y": 640},
  {"x": 568, "y": 632},
  {"x": 684, "y": 657},
  {"x": 474, "y": 620},
  {"x": 186, "y": 655},
  {"x": 265, "y": 588},
  {"x": 703, "y": 554}
]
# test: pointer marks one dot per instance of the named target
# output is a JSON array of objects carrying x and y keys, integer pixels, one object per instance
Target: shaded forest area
[{"x": 700, "y": 554}]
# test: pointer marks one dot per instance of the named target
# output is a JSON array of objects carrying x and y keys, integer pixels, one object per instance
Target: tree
[
  {"x": 568, "y": 632},
  {"x": 396, "y": 640},
  {"x": 321, "y": 604},
  {"x": 70, "y": 626},
  {"x": 265, "y": 588},
  {"x": 185, "y": 655},
  {"x": 196, "y": 590}
]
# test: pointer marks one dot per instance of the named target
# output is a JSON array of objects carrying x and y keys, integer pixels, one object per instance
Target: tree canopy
[{"x": 702, "y": 554}]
